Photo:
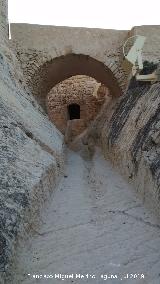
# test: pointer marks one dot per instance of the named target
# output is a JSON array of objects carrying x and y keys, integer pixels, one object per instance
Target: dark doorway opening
[{"x": 74, "y": 111}]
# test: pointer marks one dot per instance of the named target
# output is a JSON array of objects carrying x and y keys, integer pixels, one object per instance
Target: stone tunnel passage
[
  {"x": 74, "y": 111},
  {"x": 58, "y": 69},
  {"x": 75, "y": 102},
  {"x": 94, "y": 224}
]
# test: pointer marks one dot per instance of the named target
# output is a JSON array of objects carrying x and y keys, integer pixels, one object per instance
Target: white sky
[{"x": 112, "y": 14}]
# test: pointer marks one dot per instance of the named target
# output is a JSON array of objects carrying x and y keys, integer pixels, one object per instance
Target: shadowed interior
[
  {"x": 74, "y": 111},
  {"x": 63, "y": 67}
]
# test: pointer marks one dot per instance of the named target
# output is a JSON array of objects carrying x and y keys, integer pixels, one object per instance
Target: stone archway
[
  {"x": 77, "y": 100},
  {"x": 63, "y": 67}
]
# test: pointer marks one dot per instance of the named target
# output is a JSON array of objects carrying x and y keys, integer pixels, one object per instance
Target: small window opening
[{"x": 74, "y": 111}]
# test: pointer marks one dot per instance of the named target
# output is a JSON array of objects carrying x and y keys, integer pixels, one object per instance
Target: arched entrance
[
  {"x": 74, "y": 111},
  {"x": 60, "y": 68},
  {"x": 76, "y": 100}
]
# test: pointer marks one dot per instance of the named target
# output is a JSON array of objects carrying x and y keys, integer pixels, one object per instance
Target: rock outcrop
[
  {"x": 31, "y": 157},
  {"x": 128, "y": 131}
]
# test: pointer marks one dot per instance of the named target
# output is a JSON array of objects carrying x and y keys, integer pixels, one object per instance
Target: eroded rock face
[
  {"x": 129, "y": 133},
  {"x": 31, "y": 157},
  {"x": 83, "y": 91},
  {"x": 3, "y": 20}
]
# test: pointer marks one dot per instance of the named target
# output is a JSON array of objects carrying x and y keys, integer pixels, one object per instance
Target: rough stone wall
[
  {"x": 31, "y": 158},
  {"x": 36, "y": 45},
  {"x": 3, "y": 20},
  {"x": 82, "y": 90},
  {"x": 129, "y": 132},
  {"x": 151, "y": 50}
]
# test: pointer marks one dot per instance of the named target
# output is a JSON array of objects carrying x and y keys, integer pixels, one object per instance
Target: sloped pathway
[{"x": 95, "y": 225}]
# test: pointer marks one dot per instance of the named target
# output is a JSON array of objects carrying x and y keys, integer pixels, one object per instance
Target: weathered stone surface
[
  {"x": 57, "y": 53},
  {"x": 128, "y": 131},
  {"x": 31, "y": 158},
  {"x": 3, "y": 20},
  {"x": 53, "y": 52},
  {"x": 81, "y": 90},
  {"x": 95, "y": 225},
  {"x": 151, "y": 51}
]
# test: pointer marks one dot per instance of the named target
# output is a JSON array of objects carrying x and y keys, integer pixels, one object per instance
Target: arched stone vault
[
  {"x": 63, "y": 67},
  {"x": 81, "y": 91},
  {"x": 50, "y": 54}
]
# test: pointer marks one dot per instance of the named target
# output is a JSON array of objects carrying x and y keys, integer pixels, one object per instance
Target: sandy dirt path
[{"x": 95, "y": 225}]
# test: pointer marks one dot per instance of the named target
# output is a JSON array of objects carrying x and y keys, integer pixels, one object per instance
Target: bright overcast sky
[{"x": 116, "y": 14}]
